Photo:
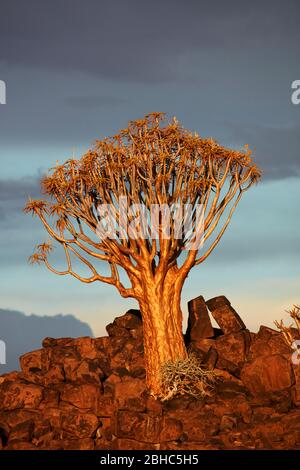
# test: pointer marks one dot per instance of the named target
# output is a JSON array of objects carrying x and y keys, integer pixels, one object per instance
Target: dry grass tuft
[{"x": 186, "y": 377}]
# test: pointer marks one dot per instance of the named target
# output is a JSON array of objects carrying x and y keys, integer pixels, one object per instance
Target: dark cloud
[
  {"x": 14, "y": 194},
  {"x": 18, "y": 190},
  {"x": 140, "y": 41},
  {"x": 276, "y": 149},
  {"x": 89, "y": 101}
]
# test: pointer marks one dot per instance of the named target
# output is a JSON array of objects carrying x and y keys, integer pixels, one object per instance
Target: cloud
[
  {"x": 14, "y": 194},
  {"x": 275, "y": 149},
  {"x": 133, "y": 40},
  {"x": 89, "y": 101},
  {"x": 15, "y": 190}
]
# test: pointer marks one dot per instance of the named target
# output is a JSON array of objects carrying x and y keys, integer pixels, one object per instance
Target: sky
[{"x": 76, "y": 71}]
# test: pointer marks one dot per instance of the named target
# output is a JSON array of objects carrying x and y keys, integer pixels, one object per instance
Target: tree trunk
[{"x": 162, "y": 328}]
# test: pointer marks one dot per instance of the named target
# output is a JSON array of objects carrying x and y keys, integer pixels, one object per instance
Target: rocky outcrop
[{"x": 90, "y": 393}]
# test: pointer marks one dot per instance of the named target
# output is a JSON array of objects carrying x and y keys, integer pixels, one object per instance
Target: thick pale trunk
[{"x": 162, "y": 323}]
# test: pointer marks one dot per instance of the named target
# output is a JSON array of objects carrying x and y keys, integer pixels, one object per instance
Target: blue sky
[{"x": 77, "y": 71}]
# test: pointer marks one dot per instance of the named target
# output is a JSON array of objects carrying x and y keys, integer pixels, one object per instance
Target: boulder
[
  {"x": 130, "y": 394},
  {"x": 122, "y": 326},
  {"x": 22, "y": 431},
  {"x": 296, "y": 387},
  {"x": 201, "y": 426},
  {"x": 33, "y": 361},
  {"x": 139, "y": 426},
  {"x": 199, "y": 324},
  {"x": 132, "y": 444},
  {"x": 79, "y": 444},
  {"x": 86, "y": 347},
  {"x": 131, "y": 320},
  {"x": 267, "y": 374},
  {"x": 210, "y": 359},
  {"x": 83, "y": 396},
  {"x": 234, "y": 347},
  {"x": 86, "y": 371},
  {"x": 215, "y": 302},
  {"x": 226, "y": 317},
  {"x": 203, "y": 345},
  {"x": 172, "y": 430},
  {"x": 79, "y": 424},
  {"x": 14, "y": 395},
  {"x": 90, "y": 393},
  {"x": 267, "y": 342}
]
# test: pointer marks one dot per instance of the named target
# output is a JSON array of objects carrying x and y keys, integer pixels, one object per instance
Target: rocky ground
[{"x": 89, "y": 393}]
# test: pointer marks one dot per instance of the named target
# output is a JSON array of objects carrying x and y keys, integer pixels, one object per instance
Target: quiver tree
[{"x": 150, "y": 163}]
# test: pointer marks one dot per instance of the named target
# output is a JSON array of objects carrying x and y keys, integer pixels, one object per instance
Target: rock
[
  {"x": 79, "y": 444},
  {"x": 153, "y": 406},
  {"x": 60, "y": 342},
  {"x": 33, "y": 361},
  {"x": 83, "y": 396},
  {"x": 266, "y": 374},
  {"x": 63, "y": 355},
  {"x": 90, "y": 393},
  {"x": 15, "y": 395},
  {"x": 172, "y": 430},
  {"x": 53, "y": 415},
  {"x": 263, "y": 413},
  {"x": 217, "y": 302},
  {"x": 268, "y": 342},
  {"x": 182, "y": 446},
  {"x": 54, "y": 375},
  {"x": 296, "y": 387},
  {"x": 228, "y": 366},
  {"x": 200, "y": 427},
  {"x": 199, "y": 324},
  {"x": 86, "y": 347},
  {"x": 86, "y": 371},
  {"x": 132, "y": 444},
  {"x": 121, "y": 326},
  {"x": 226, "y": 376},
  {"x": 22, "y": 431},
  {"x": 210, "y": 359},
  {"x": 203, "y": 345},
  {"x": 102, "y": 344},
  {"x": 50, "y": 398},
  {"x": 228, "y": 422},
  {"x": 10, "y": 377},
  {"x": 20, "y": 445},
  {"x": 131, "y": 320},
  {"x": 139, "y": 426},
  {"x": 110, "y": 383},
  {"x": 129, "y": 394},
  {"x": 234, "y": 347},
  {"x": 42, "y": 434},
  {"x": 230, "y": 401},
  {"x": 79, "y": 424},
  {"x": 105, "y": 406},
  {"x": 226, "y": 317},
  {"x": 114, "y": 330}
]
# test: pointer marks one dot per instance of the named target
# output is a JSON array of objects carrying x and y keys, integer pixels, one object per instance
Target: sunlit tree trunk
[{"x": 162, "y": 324}]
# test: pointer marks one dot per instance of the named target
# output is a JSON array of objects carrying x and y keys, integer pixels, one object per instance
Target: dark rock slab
[
  {"x": 225, "y": 315},
  {"x": 199, "y": 324}
]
